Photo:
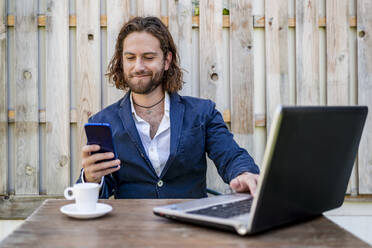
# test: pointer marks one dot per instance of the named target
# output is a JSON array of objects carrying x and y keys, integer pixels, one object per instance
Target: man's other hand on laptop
[{"x": 245, "y": 182}]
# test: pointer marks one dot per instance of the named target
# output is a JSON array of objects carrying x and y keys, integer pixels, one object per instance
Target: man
[{"x": 161, "y": 137}]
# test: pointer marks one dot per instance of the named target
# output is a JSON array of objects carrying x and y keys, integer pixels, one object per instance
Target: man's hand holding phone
[
  {"x": 99, "y": 155},
  {"x": 94, "y": 170}
]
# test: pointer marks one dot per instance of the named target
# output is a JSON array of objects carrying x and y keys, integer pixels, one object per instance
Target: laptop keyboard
[{"x": 226, "y": 210}]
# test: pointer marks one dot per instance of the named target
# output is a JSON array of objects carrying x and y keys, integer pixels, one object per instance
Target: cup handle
[{"x": 69, "y": 193}]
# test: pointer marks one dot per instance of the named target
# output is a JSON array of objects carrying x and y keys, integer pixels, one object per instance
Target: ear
[{"x": 168, "y": 61}]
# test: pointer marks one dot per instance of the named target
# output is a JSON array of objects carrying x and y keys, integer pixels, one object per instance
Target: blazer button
[{"x": 160, "y": 183}]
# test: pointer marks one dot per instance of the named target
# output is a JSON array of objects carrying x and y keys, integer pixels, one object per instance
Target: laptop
[{"x": 306, "y": 168}]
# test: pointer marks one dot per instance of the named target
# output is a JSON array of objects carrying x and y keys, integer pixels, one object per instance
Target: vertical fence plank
[
  {"x": 337, "y": 52},
  {"x": 74, "y": 148},
  {"x": 180, "y": 26},
  {"x": 149, "y": 8},
  {"x": 353, "y": 187},
  {"x": 307, "y": 49},
  {"x": 211, "y": 69},
  {"x": 338, "y": 73},
  {"x": 118, "y": 13},
  {"x": 195, "y": 62},
  {"x": 211, "y": 54},
  {"x": 3, "y": 102},
  {"x": 241, "y": 72},
  {"x": 365, "y": 92},
  {"x": 27, "y": 114},
  {"x": 57, "y": 97},
  {"x": 88, "y": 66},
  {"x": 276, "y": 36}
]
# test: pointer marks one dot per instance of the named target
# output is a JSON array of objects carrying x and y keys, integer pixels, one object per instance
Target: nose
[{"x": 139, "y": 66}]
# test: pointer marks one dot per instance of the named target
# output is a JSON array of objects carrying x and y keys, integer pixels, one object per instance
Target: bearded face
[
  {"x": 144, "y": 63},
  {"x": 144, "y": 81}
]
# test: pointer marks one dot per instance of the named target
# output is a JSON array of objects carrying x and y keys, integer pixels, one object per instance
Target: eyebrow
[{"x": 147, "y": 53}]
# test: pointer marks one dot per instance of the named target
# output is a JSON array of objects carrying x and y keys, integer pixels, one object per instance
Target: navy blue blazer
[{"x": 197, "y": 129}]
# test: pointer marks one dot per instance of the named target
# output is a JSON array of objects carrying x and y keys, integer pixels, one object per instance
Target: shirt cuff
[{"x": 82, "y": 178}]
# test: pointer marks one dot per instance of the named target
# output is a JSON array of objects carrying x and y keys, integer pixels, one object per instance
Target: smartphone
[{"x": 101, "y": 134}]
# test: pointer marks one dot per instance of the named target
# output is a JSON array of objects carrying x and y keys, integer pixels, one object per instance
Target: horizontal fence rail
[{"x": 258, "y": 21}]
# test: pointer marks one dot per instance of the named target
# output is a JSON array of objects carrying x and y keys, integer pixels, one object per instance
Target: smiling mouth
[{"x": 140, "y": 76}]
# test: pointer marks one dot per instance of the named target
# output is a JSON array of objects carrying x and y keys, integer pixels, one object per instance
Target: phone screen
[{"x": 100, "y": 134}]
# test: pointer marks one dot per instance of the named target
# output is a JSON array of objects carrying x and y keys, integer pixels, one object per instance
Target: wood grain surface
[
  {"x": 148, "y": 8},
  {"x": 118, "y": 13},
  {"x": 213, "y": 83},
  {"x": 20, "y": 207},
  {"x": 364, "y": 33},
  {"x": 27, "y": 98},
  {"x": 57, "y": 149},
  {"x": 180, "y": 26},
  {"x": 276, "y": 34},
  {"x": 307, "y": 53},
  {"x": 338, "y": 75},
  {"x": 241, "y": 72},
  {"x": 132, "y": 224},
  {"x": 88, "y": 39},
  {"x": 3, "y": 102}
]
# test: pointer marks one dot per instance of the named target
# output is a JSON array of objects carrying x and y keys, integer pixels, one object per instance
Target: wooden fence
[{"x": 54, "y": 53}]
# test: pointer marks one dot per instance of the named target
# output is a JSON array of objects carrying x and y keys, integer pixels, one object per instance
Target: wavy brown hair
[{"x": 172, "y": 78}]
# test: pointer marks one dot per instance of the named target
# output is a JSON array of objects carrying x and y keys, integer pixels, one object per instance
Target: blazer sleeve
[{"x": 230, "y": 159}]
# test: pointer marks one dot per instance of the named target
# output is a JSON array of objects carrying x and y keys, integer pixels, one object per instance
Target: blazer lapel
[
  {"x": 177, "y": 110},
  {"x": 125, "y": 113}
]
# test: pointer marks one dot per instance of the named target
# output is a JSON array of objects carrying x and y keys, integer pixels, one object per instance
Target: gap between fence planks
[{"x": 258, "y": 21}]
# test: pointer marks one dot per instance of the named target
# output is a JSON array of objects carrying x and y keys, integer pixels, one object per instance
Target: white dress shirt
[{"x": 158, "y": 148}]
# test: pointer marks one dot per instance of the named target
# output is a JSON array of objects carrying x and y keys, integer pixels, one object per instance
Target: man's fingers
[
  {"x": 109, "y": 164},
  {"x": 86, "y": 150},
  {"x": 235, "y": 184},
  {"x": 102, "y": 166},
  {"x": 252, "y": 186},
  {"x": 96, "y": 171},
  {"x": 92, "y": 159},
  {"x": 251, "y": 183},
  {"x": 246, "y": 182},
  {"x": 105, "y": 172}
]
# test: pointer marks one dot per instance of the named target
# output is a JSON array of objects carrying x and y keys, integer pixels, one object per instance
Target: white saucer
[{"x": 101, "y": 209}]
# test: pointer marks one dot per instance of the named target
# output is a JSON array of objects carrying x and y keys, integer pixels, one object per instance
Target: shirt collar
[{"x": 166, "y": 107}]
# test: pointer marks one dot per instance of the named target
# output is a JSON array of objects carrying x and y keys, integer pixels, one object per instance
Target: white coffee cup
[{"x": 85, "y": 195}]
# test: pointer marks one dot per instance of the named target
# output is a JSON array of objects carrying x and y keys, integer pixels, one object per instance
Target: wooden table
[{"x": 132, "y": 224}]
